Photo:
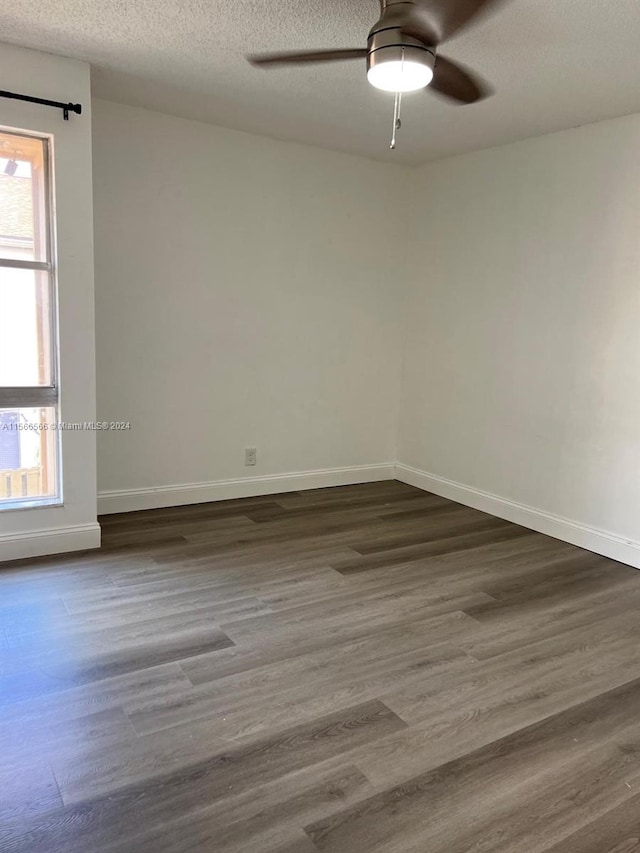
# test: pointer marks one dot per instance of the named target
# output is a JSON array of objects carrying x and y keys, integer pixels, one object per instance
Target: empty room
[{"x": 320, "y": 426}]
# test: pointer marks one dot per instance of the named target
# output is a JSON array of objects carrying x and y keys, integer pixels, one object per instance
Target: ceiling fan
[{"x": 402, "y": 49}]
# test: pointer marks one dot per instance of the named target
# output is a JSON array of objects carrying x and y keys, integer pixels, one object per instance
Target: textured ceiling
[{"x": 554, "y": 63}]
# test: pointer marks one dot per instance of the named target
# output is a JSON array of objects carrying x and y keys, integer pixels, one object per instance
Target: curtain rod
[{"x": 66, "y": 108}]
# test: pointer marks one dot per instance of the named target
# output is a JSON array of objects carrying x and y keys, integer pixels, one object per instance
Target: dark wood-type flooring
[{"x": 351, "y": 670}]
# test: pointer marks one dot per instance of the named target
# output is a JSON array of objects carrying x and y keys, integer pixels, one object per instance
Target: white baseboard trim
[
  {"x": 130, "y": 500},
  {"x": 608, "y": 544},
  {"x": 54, "y": 540}
]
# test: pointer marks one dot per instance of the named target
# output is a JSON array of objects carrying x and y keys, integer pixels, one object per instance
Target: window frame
[{"x": 40, "y": 396}]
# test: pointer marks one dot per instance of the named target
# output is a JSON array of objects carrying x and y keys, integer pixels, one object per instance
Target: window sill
[{"x": 29, "y": 503}]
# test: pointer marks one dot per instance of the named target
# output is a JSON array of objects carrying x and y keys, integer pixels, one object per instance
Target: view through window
[{"x": 29, "y": 469}]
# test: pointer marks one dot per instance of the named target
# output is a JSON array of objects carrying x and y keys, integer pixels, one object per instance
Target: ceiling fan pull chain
[{"x": 397, "y": 124}]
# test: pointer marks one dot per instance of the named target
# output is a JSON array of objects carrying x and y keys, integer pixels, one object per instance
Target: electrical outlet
[{"x": 250, "y": 455}]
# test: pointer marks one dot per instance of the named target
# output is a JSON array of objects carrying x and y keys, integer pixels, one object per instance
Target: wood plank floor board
[
  {"x": 432, "y": 631},
  {"x": 245, "y": 654},
  {"x": 615, "y": 831},
  {"x": 528, "y": 552},
  {"x": 574, "y": 751},
  {"x": 72, "y": 657},
  {"x": 31, "y": 617},
  {"x": 412, "y": 577},
  {"x": 214, "y": 510},
  {"x": 345, "y": 658},
  {"x": 106, "y": 765},
  {"x": 235, "y": 712},
  {"x": 378, "y": 611},
  {"x": 267, "y": 820},
  {"x": 148, "y": 685},
  {"x": 502, "y": 629},
  {"x": 197, "y": 515},
  {"x": 209, "y": 780},
  {"x": 583, "y": 579},
  {"x": 26, "y": 791},
  {"x": 433, "y": 548},
  {"x": 222, "y": 531},
  {"x": 361, "y": 669},
  {"x": 339, "y": 522},
  {"x": 204, "y": 601},
  {"x": 372, "y": 494},
  {"x": 41, "y": 591},
  {"x": 228, "y": 573},
  {"x": 206, "y": 558},
  {"x": 457, "y": 719},
  {"x": 431, "y": 530},
  {"x": 24, "y": 737},
  {"x": 373, "y": 505},
  {"x": 156, "y": 584}
]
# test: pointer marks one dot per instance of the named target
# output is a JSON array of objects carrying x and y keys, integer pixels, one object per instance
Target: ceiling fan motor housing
[{"x": 390, "y": 44}]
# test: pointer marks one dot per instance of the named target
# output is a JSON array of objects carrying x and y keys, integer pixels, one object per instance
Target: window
[{"x": 29, "y": 445}]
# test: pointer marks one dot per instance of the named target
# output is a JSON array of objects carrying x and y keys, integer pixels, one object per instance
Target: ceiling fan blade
[
  {"x": 436, "y": 21},
  {"x": 457, "y": 83},
  {"x": 270, "y": 60}
]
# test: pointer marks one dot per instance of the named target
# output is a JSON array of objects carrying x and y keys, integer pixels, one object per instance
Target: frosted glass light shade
[{"x": 397, "y": 75}]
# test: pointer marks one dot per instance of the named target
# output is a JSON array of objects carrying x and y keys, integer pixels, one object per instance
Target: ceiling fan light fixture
[
  {"x": 396, "y": 69},
  {"x": 398, "y": 76}
]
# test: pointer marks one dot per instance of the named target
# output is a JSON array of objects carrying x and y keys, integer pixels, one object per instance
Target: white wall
[
  {"x": 48, "y": 530},
  {"x": 248, "y": 294},
  {"x": 257, "y": 293},
  {"x": 522, "y": 358}
]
